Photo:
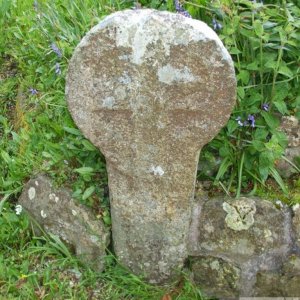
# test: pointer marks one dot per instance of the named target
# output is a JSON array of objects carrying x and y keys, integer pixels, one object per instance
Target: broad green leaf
[
  {"x": 84, "y": 170},
  {"x": 88, "y": 192},
  {"x": 281, "y": 107},
  {"x": 244, "y": 76},
  {"x": 258, "y": 145},
  {"x": 284, "y": 70},
  {"x": 272, "y": 121},
  {"x": 281, "y": 138},
  {"x": 260, "y": 134},
  {"x": 258, "y": 28},
  {"x": 232, "y": 126},
  {"x": 241, "y": 92},
  {"x": 253, "y": 66},
  {"x": 235, "y": 51},
  {"x": 271, "y": 64}
]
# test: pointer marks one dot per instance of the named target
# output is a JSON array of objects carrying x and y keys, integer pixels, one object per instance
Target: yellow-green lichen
[{"x": 240, "y": 214}]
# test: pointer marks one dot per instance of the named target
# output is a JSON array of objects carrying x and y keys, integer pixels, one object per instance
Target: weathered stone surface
[
  {"x": 57, "y": 213},
  {"x": 296, "y": 224},
  {"x": 291, "y": 127},
  {"x": 283, "y": 282},
  {"x": 216, "y": 277},
  {"x": 150, "y": 89},
  {"x": 249, "y": 233},
  {"x": 241, "y": 229}
]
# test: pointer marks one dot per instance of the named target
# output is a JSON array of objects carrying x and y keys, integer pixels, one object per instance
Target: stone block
[
  {"x": 149, "y": 89},
  {"x": 57, "y": 213}
]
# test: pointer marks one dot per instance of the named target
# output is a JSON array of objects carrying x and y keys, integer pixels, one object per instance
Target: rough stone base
[{"x": 245, "y": 247}]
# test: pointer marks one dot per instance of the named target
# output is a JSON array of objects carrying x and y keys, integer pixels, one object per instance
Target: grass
[
  {"x": 42, "y": 268},
  {"x": 37, "y": 135}
]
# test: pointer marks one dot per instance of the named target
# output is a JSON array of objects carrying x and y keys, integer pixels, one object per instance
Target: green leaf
[
  {"x": 88, "y": 145},
  {"x": 253, "y": 66},
  {"x": 281, "y": 138},
  {"x": 244, "y": 76},
  {"x": 84, "y": 170},
  {"x": 235, "y": 51},
  {"x": 5, "y": 156},
  {"x": 281, "y": 107},
  {"x": 272, "y": 121},
  {"x": 106, "y": 219},
  {"x": 271, "y": 64},
  {"x": 226, "y": 163},
  {"x": 241, "y": 92},
  {"x": 278, "y": 179},
  {"x": 258, "y": 145},
  {"x": 88, "y": 192},
  {"x": 232, "y": 126},
  {"x": 281, "y": 92},
  {"x": 72, "y": 130},
  {"x": 260, "y": 134},
  {"x": 258, "y": 28},
  {"x": 284, "y": 70},
  {"x": 224, "y": 151}
]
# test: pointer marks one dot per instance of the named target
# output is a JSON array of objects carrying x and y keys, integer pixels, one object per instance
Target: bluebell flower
[
  {"x": 180, "y": 9},
  {"x": 216, "y": 25},
  {"x": 57, "y": 69},
  {"x": 238, "y": 119},
  {"x": 33, "y": 91},
  {"x": 251, "y": 120},
  {"x": 265, "y": 107},
  {"x": 56, "y": 50}
]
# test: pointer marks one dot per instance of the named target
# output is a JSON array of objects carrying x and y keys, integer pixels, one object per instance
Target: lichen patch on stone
[
  {"x": 240, "y": 214},
  {"x": 168, "y": 74},
  {"x": 43, "y": 214},
  {"x": 108, "y": 102},
  {"x": 31, "y": 193},
  {"x": 157, "y": 171}
]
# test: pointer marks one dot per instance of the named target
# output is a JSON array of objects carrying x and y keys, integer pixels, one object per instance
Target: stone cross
[{"x": 149, "y": 89}]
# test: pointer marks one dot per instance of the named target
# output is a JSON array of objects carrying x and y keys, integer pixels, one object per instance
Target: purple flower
[
  {"x": 57, "y": 69},
  {"x": 56, "y": 50},
  {"x": 180, "y": 9},
  {"x": 251, "y": 120},
  {"x": 33, "y": 91},
  {"x": 265, "y": 107},
  {"x": 238, "y": 119},
  {"x": 216, "y": 25}
]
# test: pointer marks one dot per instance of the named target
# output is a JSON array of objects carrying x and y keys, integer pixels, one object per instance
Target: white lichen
[
  {"x": 52, "y": 197},
  {"x": 31, "y": 193},
  {"x": 215, "y": 265},
  {"x": 168, "y": 74},
  {"x": 18, "y": 209},
  {"x": 43, "y": 214},
  {"x": 157, "y": 171}
]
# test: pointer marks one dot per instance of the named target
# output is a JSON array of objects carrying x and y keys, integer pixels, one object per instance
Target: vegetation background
[{"x": 37, "y": 134}]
